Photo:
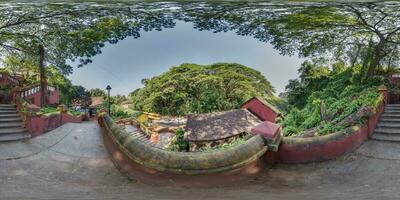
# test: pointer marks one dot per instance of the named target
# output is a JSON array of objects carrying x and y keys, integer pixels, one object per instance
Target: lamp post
[{"x": 108, "y": 88}]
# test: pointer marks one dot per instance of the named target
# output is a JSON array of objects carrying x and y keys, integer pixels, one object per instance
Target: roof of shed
[
  {"x": 96, "y": 101},
  {"x": 219, "y": 125},
  {"x": 260, "y": 99}
]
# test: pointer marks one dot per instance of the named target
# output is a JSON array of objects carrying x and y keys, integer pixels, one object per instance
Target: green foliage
[
  {"x": 341, "y": 96},
  {"x": 118, "y": 112},
  {"x": 97, "y": 92},
  {"x": 74, "y": 112},
  {"x": 47, "y": 111},
  {"x": 118, "y": 99},
  {"x": 192, "y": 88},
  {"x": 226, "y": 145},
  {"x": 178, "y": 143}
]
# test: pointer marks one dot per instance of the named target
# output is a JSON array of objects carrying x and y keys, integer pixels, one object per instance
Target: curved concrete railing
[{"x": 188, "y": 163}]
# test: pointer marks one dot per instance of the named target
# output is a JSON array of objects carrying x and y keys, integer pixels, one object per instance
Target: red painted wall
[
  {"x": 53, "y": 98},
  {"x": 264, "y": 112},
  {"x": 314, "y": 151},
  {"x": 37, "y": 125},
  {"x": 394, "y": 80},
  {"x": 4, "y": 80}
]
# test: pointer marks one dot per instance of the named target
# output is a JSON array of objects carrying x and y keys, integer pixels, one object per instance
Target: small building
[
  {"x": 125, "y": 104},
  {"x": 211, "y": 129},
  {"x": 95, "y": 102},
  {"x": 262, "y": 109}
]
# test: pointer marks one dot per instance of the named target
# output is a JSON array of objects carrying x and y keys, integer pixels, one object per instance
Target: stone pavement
[{"x": 71, "y": 163}]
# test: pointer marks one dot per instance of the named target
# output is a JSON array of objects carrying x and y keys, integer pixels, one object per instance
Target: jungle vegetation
[
  {"x": 349, "y": 48},
  {"x": 192, "y": 88}
]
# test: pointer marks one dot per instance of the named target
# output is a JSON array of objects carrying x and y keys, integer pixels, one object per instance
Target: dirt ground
[{"x": 71, "y": 163}]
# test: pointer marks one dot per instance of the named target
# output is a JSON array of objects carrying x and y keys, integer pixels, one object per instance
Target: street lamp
[{"x": 108, "y": 88}]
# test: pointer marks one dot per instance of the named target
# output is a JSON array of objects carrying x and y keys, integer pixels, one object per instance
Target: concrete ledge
[
  {"x": 141, "y": 160},
  {"x": 321, "y": 148}
]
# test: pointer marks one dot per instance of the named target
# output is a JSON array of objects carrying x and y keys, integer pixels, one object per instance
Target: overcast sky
[{"x": 125, "y": 64}]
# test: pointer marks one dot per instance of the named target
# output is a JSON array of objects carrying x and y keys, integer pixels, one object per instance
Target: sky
[{"x": 125, "y": 64}]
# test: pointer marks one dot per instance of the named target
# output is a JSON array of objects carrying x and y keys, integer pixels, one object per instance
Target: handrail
[{"x": 33, "y": 89}]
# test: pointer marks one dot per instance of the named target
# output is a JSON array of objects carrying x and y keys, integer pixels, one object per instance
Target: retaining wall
[
  {"x": 39, "y": 124},
  {"x": 150, "y": 164}
]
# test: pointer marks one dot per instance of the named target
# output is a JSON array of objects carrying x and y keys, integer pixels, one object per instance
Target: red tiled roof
[{"x": 219, "y": 125}]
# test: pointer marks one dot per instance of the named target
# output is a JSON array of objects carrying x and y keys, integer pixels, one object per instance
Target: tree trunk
[
  {"x": 43, "y": 80},
  {"x": 376, "y": 59}
]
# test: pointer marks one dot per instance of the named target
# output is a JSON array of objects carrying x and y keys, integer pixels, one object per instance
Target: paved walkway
[{"x": 71, "y": 163}]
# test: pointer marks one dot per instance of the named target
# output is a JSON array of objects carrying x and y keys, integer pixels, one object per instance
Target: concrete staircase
[
  {"x": 139, "y": 135},
  {"x": 388, "y": 127},
  {"x": 11, "y": 124}
]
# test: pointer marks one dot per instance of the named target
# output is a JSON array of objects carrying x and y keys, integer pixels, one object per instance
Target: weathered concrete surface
[{"x": 71, "y": 163}]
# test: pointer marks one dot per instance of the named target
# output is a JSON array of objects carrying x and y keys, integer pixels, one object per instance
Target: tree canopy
[
  {"x": 97, "y": 92},
  {"x": 191, "y": 88}
]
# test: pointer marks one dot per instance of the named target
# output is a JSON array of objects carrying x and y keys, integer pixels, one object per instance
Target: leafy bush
[
  {"x": 74, "y": 112},
  {"x": 343, "y": 95},
  {"x": 178, "y": 143},
  {"x": 47, "y": 111},
  {"x": 118, "y": 112},
  {"x": 226, "y": 145}
]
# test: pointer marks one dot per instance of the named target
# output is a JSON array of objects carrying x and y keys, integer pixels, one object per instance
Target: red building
[
  {"x": 11, "y": 88},
  {"x": 262, "y": 109}
]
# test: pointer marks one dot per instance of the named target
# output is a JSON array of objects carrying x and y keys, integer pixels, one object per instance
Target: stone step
[
  {"x": 387, "y": 131},
  {"x": 8, "y": 112},
  {"x": 391, "y": 112},
  {"x": 11, "y": 119},
  {"x": 385, "y": 115},
  {"x": 389, "y": 120},
  {"x": 14, "y": 137},
  {"x": 387, "y": 138},
  {"x": 6, "y": 131},
  {"x": 7, "y": 105},
  {"x": 9, "y": 115},
  {"x": 10, "y": 124},
  {"x": 8, "y": 108},
  {"x": 392, "y": 105}
]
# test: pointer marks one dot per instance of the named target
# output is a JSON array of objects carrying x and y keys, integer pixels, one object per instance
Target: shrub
[
  {"x": 178, "y": 143},
  {"x": 192, "y": 88},
  {"x": 342, "y": 96}
]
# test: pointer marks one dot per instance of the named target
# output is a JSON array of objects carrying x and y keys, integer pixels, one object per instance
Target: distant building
[
  {"x": 95, "y": 103},
  {"x": 126, "y": 104},
  {"x": 212, "y": 129}
]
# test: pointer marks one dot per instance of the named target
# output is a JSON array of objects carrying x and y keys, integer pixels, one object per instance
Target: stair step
[
  {"x": 8, "y": 112},
  {"x": 392, "y": 105},
  {"x": 14, "y": 137},
  {"x": 389, "y": 120},
  {"x": 10, "y": 124},
  {"x": 11, "y": 119},
  {"x": 8, "y": 108},
  {"x": 392, "y": 112},
  {"x": 387, "y": 131},
  {"x": 6, "y": 131},
  {"x": 388, "y": 138},
  {"x": 385, "y": 115},
  {"x": 7, "y": 105},
  {"x": 9, "y": 115}
]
